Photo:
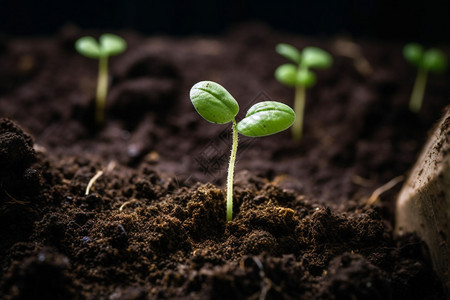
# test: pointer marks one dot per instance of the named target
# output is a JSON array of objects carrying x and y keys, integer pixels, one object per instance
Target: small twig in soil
[
  {"x": 384, "y": 188},
  {"x": 14, "y": 199},
  {"x": 128, "y": 202},
  {"x": 111, "y": 165},
  {"x": 39, "y": 148},
  {"x": 92, "y": 181},
  {"x": 361, "y": 181},
  {"x": 352, "y": 50}
]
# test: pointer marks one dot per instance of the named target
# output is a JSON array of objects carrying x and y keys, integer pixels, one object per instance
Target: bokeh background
[{"x": 405, "y": 20}]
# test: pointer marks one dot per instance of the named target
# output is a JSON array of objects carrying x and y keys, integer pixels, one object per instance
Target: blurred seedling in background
[
  {"x": 108, "y": 45},
  {"x": 300, "y": 76},
  {"x": 214, "y": 103},
  {"x": 432, "y": 60}
]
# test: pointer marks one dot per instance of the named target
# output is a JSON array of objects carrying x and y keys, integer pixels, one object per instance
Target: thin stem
[
  {"x": 102, "y": 88},
  {"x": 418, "y": 91},
  {"x": 231, "y": 173},
  {"x": 299, "y": 107}
]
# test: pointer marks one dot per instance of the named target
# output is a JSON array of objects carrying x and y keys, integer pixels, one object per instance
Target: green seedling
[
  {"x": 300, "y": 76},
  {"x": 432, "y": 60},
  {"x": 214, "y": 103},
  {"x": 108, "y": 45}
]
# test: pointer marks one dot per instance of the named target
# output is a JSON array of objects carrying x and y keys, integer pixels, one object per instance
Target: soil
[{"x": 153, "y": 225}]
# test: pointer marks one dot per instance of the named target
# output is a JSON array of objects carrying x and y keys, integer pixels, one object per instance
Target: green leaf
[
  {"x": 290, "y": 52},
  {"x": 413, "y": 53},
  {"x": 314, "y": 57},
  {"x": 266, "y": 118},
  {"x": 306, "y": 78},
  {"x": 434, "y": 60},
  {"x": 112, "y": 44},
  {"x": 287, "y": 74},
  {"x": 213, "y": 102},
  {"x": 88, "y": 47}
]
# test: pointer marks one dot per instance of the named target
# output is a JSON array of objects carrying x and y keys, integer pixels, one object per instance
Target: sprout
[
  {"x": 432, "y": 60},
  {"x": 299, "y": 76},
  {"x": 214, "y": 103},
  {"x": 110, "y": 45}
]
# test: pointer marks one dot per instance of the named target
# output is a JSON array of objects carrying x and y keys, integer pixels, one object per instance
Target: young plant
[
  {"x": 300, "y": 76},
  {"x": 108, "y": 45},
  {"x": 214, "y": 103},
  {"x": 432, "y": 60}
]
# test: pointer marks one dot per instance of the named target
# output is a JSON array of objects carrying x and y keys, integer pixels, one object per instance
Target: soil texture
[{"x": 152, "y": 226}]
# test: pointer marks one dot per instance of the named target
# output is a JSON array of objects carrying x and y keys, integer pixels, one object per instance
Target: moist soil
[{"x": 153, "y": 224}]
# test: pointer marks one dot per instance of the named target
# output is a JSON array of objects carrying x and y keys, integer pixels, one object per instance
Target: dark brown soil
[{"x": 153, "y": 225}]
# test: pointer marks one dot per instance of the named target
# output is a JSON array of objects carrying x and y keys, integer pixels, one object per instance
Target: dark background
[{"x": 426, "y": 21}]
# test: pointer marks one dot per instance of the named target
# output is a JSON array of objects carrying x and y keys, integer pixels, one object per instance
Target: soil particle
[
  {"x": 350, "y": 276},
  {"x": 16, "y": 151},
  {"x": 43, "y": 276}
]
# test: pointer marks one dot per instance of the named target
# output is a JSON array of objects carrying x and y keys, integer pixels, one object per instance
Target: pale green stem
[
  {"x": 231, "y": 173},
  {"x": 418, "y": 91},
  {"x": 102, "y": 88},
  {"x": 299, "y": 107}
]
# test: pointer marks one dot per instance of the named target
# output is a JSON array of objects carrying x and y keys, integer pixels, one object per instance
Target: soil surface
[{"x": 152, "y": 226}]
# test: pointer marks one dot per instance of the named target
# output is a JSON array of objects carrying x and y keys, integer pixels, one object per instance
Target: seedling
[
  {"x": 110, "y": 45},
  {"x": 214, "y": 103},
  {"x": 432, "y": 60},
  {"x": 300, "y": 76}
]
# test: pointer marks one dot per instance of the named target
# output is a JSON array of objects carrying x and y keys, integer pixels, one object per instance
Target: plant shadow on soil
[{"x": 153, "y": 225}]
